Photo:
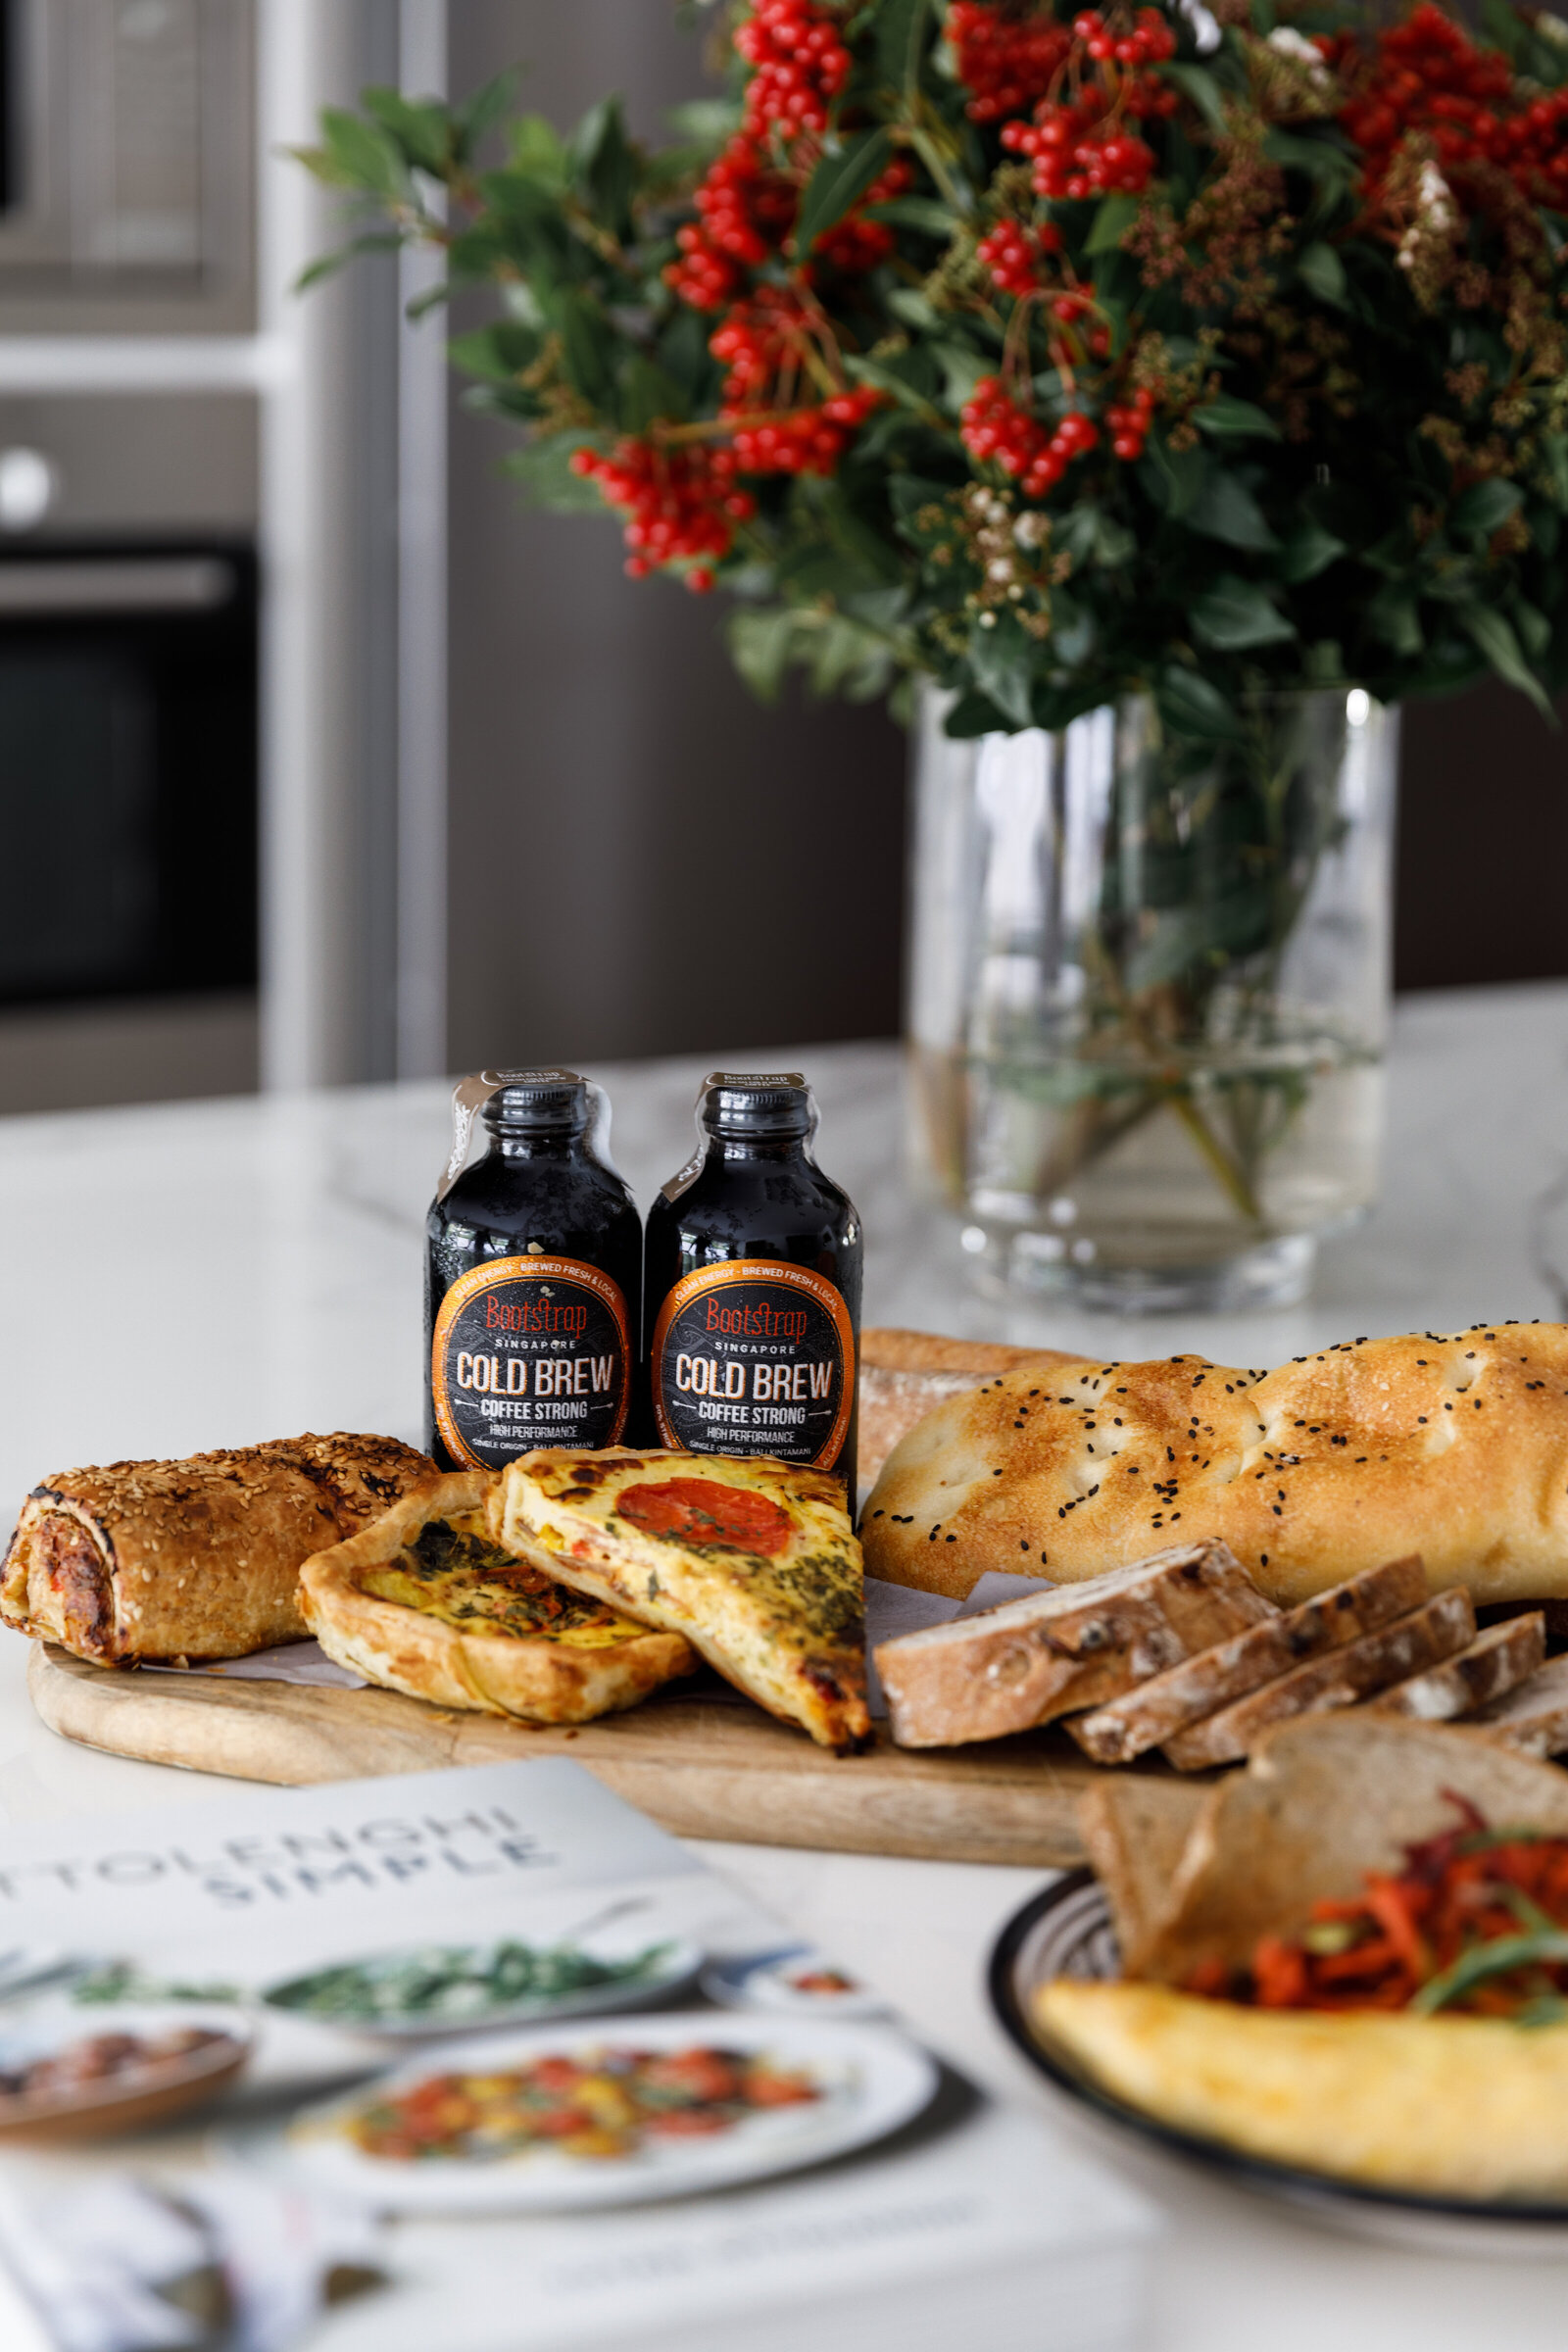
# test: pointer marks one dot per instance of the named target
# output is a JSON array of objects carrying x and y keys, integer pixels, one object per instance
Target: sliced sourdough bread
[
  {"x": 1156, "y": 1711},
  {"x": 1533, "y": 1719},
  {"x": 1011, "y": 1668},
  {"x": 1496, "y": 1662},
  {"x": 1391, "y": 1654}
]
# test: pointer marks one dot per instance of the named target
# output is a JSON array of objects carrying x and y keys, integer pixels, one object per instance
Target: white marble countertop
[{"x": 205, "y": 1274}]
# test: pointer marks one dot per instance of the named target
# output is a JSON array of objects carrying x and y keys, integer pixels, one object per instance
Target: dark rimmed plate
[{"x": 1067, "y": 1932}]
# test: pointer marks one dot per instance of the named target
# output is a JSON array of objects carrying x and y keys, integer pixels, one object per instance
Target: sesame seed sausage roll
[
  {"x": 198, "y": 1558},
  {"x": 1452, "y": 1445}
]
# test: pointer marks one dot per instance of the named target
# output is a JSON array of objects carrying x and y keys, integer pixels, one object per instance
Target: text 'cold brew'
[
  {"x": 533, "y": 1276},
  {"x": 753, "y": 1285}
]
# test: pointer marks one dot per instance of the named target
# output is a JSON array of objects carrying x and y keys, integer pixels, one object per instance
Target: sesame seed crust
[{"x": 1451, "y": 1443}]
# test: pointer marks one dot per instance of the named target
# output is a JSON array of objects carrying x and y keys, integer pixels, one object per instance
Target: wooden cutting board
[{"x": 702, "y": 1766}]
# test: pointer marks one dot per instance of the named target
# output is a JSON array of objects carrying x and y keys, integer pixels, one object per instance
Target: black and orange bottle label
[
  {"x": 530, "y": 1351},
  {"x": 754, "y": 1356}
]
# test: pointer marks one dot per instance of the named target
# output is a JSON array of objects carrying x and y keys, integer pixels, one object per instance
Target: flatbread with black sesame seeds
[{"x": 1456, "y": 1447}]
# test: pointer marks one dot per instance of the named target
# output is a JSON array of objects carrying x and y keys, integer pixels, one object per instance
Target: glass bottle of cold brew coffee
[
  {"x": 533, "y": 1277},
  {"x": 752, "y": 1284}
]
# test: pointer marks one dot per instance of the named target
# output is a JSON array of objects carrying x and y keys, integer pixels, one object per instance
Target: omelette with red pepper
[{"x": 753, "y": 1560}]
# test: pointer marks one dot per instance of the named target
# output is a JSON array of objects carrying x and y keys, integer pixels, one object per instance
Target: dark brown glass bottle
[
  {"x": 752, "y": 1284},
  {"x": 533, "y": 1279}
]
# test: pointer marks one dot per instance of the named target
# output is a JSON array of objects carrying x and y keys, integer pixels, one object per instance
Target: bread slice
[
  {"x": 1533, "y": 1719},
  {"x": 1391, "y": 1654},
  {"x": 1497, "y": 1660},
  {"x": 1156, "y": 1711},
  {"x": 1011, "y": 1668},
  {"x": 1135, "y": 1832},
  {"x": 907, "y": 1374}
]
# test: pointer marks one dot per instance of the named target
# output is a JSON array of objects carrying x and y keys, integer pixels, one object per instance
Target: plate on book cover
[
  {"x": 415, "y": 1993},
  {"x": 793, "y": 1980},
  {"x": 552, "y": 2118},
  {"x": 1067, "y": 1932}
]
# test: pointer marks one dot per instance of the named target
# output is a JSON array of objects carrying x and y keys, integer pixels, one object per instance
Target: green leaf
[
  {"x": 1226, "y": 510},
  {"x": 604, "y": 166},
  {"x": 1484, "y": 507},
  {"x": 900, "y": 26},
  {"x": 1321, "y": 271},
  {"x": 973, "y": 714},
  {"x": 1228, "y": 418},
  {"x": 1493, "y": 634},
  {"x": 961, "y": 369},
  {"x": 358, "y": 155},
  {"x": 1554, "y": 449},
  {"x": 375, "y": 241},
  {"x": 1174, "y": 478},
  {"x": 535, "y": 149},
  {"x": 1322, "y": 159},
  {"x": 888, "y": 379},
  {"x": 1534, "y": 629},
  {"x": 646, "y": 392},
  {"x": 706, "y": 121},
  {"x": 419, "y": 126},
  {"x": 489, "y": 104},
  {"x": 760, "y": 645},
  {"x": 1308, "y": 550},
  {"x": 1235, "y": 614},
  {"x": 924, "y": 213},
  {"x": 836, "y": 183},
  {"x": 1114, "y": 217},
  {"x": 1393, "y": 616},
  {"x": 1192, "y": 705},
  {"x": 1198, "y": 84},
  {"x": 496, "y": 353},
  {"x": 587, "y": 344},
  {"x": 544, "y": 468},
  {"x": 1002, "y": 660}
]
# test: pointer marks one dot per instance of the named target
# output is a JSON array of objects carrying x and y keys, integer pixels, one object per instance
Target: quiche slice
[
  {"x": 424, "y": 1601},
  {"x": 753, "y": 1560}
]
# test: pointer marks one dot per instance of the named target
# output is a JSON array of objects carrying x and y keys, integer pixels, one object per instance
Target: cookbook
[{"x": 482, "y": 2058}]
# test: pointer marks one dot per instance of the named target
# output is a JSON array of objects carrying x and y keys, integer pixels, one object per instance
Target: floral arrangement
[{"x": 1053, "y": 355}]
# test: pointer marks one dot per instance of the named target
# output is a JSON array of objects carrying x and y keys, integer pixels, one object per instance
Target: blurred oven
[
  {"x": 127, "y": 771},
  {"x": 127, "y": 697}
]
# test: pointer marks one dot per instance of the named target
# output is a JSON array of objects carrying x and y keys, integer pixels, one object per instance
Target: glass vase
[{"x": 1148, "y": 996}]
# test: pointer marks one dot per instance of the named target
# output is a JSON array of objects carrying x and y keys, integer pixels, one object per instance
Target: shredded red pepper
[{"x": 1477, "y": 1921}]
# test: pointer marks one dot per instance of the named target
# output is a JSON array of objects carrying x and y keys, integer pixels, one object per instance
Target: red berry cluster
[
  {"x": 765, "y": 338},
  {"x": 1148, "y": 43},
  {"x": 803, "y": 440},
  {"x": 745, "y": 211},
  {"x": 1084, "y": 144},
  {"x": 801, "y": 65},
  {"x": 1013, "y": 254},
  {"x": 1006, "y": 60},
  {"x": 1429, "y": 75},
  {"x": 1129, "y": 425},
  {"x": 994, "y": 428},
  {"x": 679, "y": 502}
]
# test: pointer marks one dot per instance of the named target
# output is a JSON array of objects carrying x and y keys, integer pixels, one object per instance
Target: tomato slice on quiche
[{"x": 753, "y": 1560}]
